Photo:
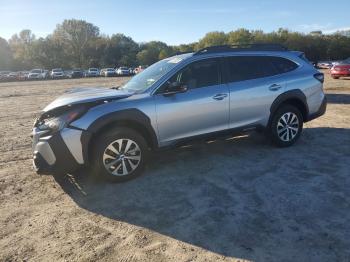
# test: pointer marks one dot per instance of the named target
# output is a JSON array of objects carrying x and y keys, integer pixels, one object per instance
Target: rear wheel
[
  {"x": 286, "y": 126},
  {"x": 119, "y": 155},
  {"x": 335, "y": 77}
]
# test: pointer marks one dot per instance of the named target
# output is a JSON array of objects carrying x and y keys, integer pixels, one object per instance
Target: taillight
[{"x": 319, "y": 77}]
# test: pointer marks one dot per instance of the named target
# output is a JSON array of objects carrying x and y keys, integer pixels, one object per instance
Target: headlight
[{"x": 59, "y": 122}]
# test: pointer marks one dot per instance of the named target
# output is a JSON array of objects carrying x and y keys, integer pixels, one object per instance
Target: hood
[{"x": 85, "y": 95}]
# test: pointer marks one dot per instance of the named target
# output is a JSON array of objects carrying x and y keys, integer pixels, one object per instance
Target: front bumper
[
  {"x": 58, "y": 153},
  {"x": 340, "y": 74},
  {"x": 57, "y": 76},
  {"x": 34, "y": 77},
  {"x": 124, "y": 73}
]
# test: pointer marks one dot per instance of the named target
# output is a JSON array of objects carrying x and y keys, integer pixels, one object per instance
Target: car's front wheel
[
  {"x": 119, "y": 155},
  {"x": 286, "y": 126}
]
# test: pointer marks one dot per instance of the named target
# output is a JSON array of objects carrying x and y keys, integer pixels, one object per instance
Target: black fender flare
[
  {"x": 295, "y": 94},
  {"x": 133, "y": 115}
]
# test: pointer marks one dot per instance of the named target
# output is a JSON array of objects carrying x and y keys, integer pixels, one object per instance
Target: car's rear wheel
[
  {"x": 119, "y": 155},
  {"x": 286, "y": 126},
  {"x": 335, "y": 77}
]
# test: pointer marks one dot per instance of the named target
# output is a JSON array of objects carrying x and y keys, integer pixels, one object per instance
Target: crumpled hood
[{"x": 84, "y": 95}]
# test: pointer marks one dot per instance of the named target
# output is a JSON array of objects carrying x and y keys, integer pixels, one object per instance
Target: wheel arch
[
  {"x": 130, "y": 118},
  {"x": 292, "y": 97}
]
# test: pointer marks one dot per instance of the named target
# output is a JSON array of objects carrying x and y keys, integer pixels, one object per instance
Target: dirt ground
[{"x": 236, "y": 199}]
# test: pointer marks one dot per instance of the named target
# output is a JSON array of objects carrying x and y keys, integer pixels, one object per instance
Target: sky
[{"x": 177, "y": 21}]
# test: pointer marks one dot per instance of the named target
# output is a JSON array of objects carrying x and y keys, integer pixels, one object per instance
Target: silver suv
[{"x": 214, "y": 91}]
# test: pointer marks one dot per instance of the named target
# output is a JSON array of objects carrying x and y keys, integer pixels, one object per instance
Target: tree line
[{"x": 77, "y": 43}]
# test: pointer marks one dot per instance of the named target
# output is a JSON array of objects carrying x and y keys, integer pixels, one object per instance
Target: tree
[
  {"x": 6, "y": 57},
  {"x": 152, "y": 51},
  {"x": 240, "y": 37},
  {"x": 21, "y": 45},
  {"x": 77, "y": 43},
  {"x": 75, "y": 37},
  {"x": 120, "y": 50},
  {"x": 213, "y": 38}
]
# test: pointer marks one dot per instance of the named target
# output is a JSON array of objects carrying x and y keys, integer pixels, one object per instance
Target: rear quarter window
[{"x": 283, "y": 65}]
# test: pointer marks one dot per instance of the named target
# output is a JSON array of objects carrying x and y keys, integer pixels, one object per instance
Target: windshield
[
  {"x": 93, "y": 69},
  {"x": 36, "y": 71},
  {"x": 57, "y": 70},
  {"x": 149, "y": 76},
  {"x": 110, "y": 69}
]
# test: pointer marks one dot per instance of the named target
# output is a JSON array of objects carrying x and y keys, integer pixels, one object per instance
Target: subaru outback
[{"x": 214, "y": 91}]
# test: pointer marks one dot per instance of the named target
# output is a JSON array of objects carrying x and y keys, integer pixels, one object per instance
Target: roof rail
[
  {"x": 238, "y": 48},
  {"x": 181, "y": 53}
]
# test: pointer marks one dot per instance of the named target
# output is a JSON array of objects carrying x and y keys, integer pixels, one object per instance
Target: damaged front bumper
[{"x": 57, "y": 153}]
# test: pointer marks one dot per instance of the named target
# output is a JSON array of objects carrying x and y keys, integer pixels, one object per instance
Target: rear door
[{"x": 254, "y": 83}]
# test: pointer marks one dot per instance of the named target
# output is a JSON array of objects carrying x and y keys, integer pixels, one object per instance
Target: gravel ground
[{"x": 235, "y": 199}]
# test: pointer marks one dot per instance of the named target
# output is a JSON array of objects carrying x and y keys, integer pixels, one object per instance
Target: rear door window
[{"x": 242, "y": 68}]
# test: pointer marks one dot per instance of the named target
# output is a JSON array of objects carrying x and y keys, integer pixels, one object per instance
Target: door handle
[
  {"x": 274, "y": 87},
  {"x": 219, "y": 96}
]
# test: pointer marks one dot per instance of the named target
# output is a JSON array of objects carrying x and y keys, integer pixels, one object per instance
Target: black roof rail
[
  {"x": 181, "y": 53},
  {"x": 238, "y": 48}
]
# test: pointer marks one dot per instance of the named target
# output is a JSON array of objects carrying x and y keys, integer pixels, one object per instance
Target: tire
[
  {"x": 284, "y": 134},
  {"x": 112, "y": 162},
  {"x": 335, "y": 77}
]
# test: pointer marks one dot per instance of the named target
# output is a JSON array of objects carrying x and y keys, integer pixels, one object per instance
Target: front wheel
[
  {"x": 119, "y": 155},
  {"x": 286, "y": 126}
]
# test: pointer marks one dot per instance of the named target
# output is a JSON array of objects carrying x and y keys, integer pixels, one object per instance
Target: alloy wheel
[
  {"x": 122, "y": 157},
  {"x": 287, "y": 126}
]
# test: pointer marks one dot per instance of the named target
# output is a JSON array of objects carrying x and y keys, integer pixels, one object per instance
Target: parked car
[
  {"x": 23, "y": 75},
  {"x": 341, "y": 69},
  {"x": 102, "y": 71},
  {"x": 13, "y": 76},
  {"x": 214, "y": 91},
  {"x": 324, "y": 64},
  {"x": 123, "y": 71},
  {"x": 92, "y": 72},
  {"x": 57, "y": 73},
  {"x": 76, "y": 73},
  {"x": 109, "y": 72},
  {"x": 37, "y": 74},
  {"x": 4, "y": 75}
]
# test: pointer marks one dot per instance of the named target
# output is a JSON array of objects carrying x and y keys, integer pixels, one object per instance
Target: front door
[{"x": 204, "y": 108}]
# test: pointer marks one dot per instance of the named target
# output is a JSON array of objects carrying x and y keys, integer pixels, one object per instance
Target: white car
[
  {"x": 36, "y": 74},
  {"x": 57, "y": 73},
  {"x": 123, "y": 71}
]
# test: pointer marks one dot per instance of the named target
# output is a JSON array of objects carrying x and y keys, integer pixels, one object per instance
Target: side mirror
[{"x": 174, "y": 88}]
